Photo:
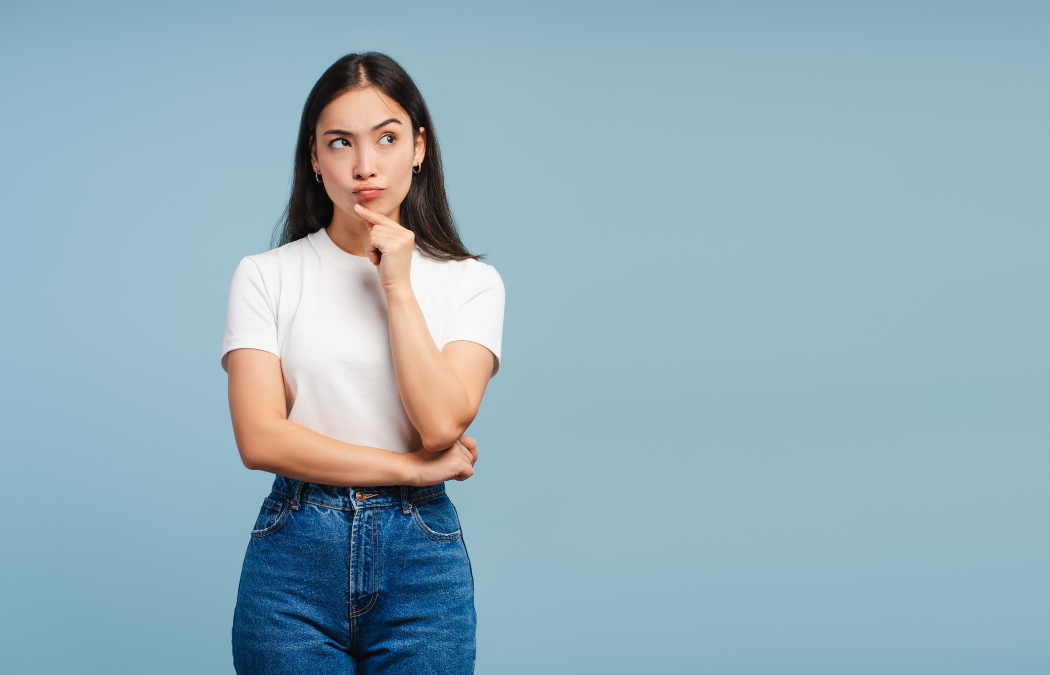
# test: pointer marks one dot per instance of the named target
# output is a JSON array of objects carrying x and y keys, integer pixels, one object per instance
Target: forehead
[{"x": 360, "y": 109}]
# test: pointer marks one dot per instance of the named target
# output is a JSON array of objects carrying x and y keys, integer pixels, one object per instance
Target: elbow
[
  {"x": 438, "y": 443},
  {"x": 255, "y": 443},
  {"x": 249, "y": 459},
  {"x": 251, "y": 455},
  {"x": 439, "y": 439}
]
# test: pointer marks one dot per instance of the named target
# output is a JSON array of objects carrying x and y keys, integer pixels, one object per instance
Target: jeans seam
[
  {"x": 375, "y": 570},
  {"x": 470, "y": 565},
  {"x": 425, "y": 497},
  {"x": 328, "y": 506},
  {"x": 363, "y": 505},
  {"x": 266, "y": 532},
  {"x": 436, "y": 536}
]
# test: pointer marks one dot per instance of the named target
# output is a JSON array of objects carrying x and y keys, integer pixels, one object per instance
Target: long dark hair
[{"x": 425, "y": 210}]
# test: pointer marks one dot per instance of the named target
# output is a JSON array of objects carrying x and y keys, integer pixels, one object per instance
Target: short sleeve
[
  {"x": 479, "y": 317},
  {"x": 251, "y": 316}
]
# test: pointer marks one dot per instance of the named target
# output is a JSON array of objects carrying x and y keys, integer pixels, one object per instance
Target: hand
[
  {"x": 454, "y": 463},
  {"x": 389, "y": 248}
]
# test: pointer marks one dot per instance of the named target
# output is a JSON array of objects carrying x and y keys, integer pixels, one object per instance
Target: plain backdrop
[{"x": 775, "y": 387}]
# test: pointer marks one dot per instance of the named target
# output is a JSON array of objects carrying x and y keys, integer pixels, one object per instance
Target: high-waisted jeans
[{"x": 355, "y": 580}]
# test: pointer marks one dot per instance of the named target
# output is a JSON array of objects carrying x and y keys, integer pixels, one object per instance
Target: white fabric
[{"x": 322, "y": 311}]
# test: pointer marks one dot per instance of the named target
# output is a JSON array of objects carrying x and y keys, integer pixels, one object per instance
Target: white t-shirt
[{"x": 322, "y": 311}]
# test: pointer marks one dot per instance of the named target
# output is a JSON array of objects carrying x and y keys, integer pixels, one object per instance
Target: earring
[
  {"x": 417, "y": 168},
  {"x": 317, "y": 176}
]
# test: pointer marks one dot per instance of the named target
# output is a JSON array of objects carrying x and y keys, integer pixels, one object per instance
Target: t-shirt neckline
[{"x": 324, "y": 243}]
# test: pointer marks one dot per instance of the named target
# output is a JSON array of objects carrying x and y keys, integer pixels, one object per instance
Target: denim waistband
[{"x": 351, "y": 498}]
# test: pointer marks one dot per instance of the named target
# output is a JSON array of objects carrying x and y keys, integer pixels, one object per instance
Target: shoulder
[
  {"x": 482, "y": 278},
  {"x": 262, "y": 275},
  {"x": 269, "y": 266},
  {"x": 281, "y": 256}
]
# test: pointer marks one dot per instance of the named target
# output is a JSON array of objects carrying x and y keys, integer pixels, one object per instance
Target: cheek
[
  {"x": 398, "y": 191},
  {"x": 401, "y": 165},
  {"x": 401, "y": 174}
]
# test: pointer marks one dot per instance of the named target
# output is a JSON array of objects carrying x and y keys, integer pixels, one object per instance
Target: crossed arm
[
  {"x": 269, "y": 441},
  {"x": 440, "y": 389}
]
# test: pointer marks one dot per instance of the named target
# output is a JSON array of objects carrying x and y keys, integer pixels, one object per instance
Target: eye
[
  {"x": 339, "y": 143},
  {"x": 387, "y": 139}
]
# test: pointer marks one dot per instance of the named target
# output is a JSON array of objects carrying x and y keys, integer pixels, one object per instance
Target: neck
[{"x": 349, "y": 232}]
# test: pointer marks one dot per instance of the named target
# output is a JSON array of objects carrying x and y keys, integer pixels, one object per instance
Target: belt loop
[
  {"x": 296, "y": 494},
  {"x": 406, "y": 505}
]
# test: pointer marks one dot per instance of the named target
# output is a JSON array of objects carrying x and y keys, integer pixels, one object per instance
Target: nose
[{"x": 364, "y": 166}]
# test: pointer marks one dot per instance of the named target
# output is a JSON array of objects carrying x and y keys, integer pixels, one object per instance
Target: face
[{"x": 364, "y": 149}]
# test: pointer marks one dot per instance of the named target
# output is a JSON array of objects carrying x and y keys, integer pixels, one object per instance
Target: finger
[
  {"x": 372, "y": 251},
  {"x": 386, "y": 236},
  {"x": 471, "y": 455},
  {"x": 368, "y": 215},
  {"x": 371, "y": 216},
  {"x": 461, "y": 452},
  {"x": 384, "y": 239},
  {"x": 472, "y": 450},
  {"x": 472, "y": 445}
]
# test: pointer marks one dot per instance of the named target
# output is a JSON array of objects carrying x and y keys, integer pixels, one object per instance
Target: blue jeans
[{"x": 355, "y": 580}]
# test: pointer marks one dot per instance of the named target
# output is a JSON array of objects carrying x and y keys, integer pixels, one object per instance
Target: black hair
[{"x": 424, "y": 211}]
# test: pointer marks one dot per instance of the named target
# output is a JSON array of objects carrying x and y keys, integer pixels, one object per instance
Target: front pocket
[
  {"x": 437, "y": 518},
  {"x": 272, "y": 515}
]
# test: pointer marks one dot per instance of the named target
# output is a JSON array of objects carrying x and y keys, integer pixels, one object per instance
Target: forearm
[
  {"x": 289, "y": 449},
  {"x": 434, "y": 396}
]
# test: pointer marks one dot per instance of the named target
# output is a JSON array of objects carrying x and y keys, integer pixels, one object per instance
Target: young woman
[{"x": 358, "y": 352}]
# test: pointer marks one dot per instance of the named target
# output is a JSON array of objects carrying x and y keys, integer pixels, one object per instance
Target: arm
[
  {"x": 441, "y": 390},
  {"x": 268, "y": 441}
]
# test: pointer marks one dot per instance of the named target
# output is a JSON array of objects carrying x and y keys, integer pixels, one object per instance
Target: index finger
[{"x": 372, "y": 217}]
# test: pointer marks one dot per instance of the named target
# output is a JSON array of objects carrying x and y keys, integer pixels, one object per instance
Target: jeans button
[{"x": 360, "y": 495}]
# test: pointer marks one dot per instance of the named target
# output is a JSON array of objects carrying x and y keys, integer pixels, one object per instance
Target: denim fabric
[{"x": 355, "y": 580}]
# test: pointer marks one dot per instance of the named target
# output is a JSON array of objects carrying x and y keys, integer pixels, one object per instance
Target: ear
[
  {"x": 421, "y": 146},
  {"x": 313, "y": 152}
]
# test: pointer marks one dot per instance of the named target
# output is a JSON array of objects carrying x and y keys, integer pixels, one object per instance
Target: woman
[{"x": 358, "y": 352}]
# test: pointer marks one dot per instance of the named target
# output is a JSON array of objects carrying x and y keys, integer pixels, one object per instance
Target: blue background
[{"x": 775, "y": 385}]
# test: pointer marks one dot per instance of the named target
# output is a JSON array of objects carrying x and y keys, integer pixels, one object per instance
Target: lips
[{"x": 367, "y": 191}]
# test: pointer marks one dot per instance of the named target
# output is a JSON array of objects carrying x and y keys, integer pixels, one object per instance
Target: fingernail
[{"x": 358, "y": 207}]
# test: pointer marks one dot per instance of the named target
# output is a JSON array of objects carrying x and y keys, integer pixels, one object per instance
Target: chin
[{"x": 385, "y": 207}]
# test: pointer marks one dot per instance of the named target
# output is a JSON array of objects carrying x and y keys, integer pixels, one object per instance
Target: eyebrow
[{"x": 341, "y": 132}]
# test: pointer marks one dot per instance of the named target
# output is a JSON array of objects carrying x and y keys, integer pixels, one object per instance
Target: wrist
[
  {"x": 407, "y": 472},
  {"x": 398, "y": 292}
]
